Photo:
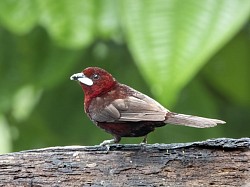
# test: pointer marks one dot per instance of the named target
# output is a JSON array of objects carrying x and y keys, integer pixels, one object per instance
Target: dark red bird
[{"x": 125, "y": 112}]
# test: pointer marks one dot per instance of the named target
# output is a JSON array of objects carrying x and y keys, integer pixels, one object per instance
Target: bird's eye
[{"x": 95, "y": 77}]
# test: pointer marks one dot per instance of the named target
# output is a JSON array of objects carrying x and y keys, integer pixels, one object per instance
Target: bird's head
[{"x": 94, "y": 81}]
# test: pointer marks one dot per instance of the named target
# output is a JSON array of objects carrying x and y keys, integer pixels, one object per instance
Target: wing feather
[
  {"x": 108, "y": 114},
  {"x": 131, "y": 109}
]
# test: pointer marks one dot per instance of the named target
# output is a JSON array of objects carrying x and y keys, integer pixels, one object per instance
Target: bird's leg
[
  {"x": 116, "y": 139},
  {"x": 144, "y": 141}
]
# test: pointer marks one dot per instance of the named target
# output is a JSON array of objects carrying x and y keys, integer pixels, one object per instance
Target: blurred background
[{"x": 192, "y": 56}]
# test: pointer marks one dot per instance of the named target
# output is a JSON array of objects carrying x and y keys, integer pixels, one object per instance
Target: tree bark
[{"x": 218, "y": 162}]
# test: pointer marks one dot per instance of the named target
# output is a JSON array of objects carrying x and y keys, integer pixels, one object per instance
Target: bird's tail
[{"x": 192, "y": 121}]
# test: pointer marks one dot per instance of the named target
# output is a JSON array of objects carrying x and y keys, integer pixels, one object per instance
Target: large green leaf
[
  {"x": 19, "y": 16},
  {"x": 172, "y": 39}
]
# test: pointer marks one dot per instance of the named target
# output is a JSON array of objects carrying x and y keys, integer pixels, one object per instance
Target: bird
[{"x": 125, "y": 112}]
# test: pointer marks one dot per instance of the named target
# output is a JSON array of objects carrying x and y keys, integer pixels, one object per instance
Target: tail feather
[{"x": 192, "y": 121}]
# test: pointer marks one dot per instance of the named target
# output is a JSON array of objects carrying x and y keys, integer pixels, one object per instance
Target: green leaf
[
  {"x": 31, "y": 60},
  {"x": 70, "y": 23},
  {"x": 171, "y": 40},
  {"x": 107, "y": 20},
  {"x": 19, "y": 16},
  {"x": 228, "y": 72}
]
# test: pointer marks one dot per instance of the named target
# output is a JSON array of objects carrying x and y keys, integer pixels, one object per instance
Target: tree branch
[{"x": 218, "y": 162}]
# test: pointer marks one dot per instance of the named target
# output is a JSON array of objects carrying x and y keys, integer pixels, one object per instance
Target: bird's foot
[{"x": 107, "y": 142}]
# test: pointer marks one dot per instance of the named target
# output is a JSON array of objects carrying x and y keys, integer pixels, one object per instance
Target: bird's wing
[{"x": 137, "y": 107}]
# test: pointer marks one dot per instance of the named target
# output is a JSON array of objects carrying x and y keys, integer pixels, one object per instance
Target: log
[{"x": 216, "y": 162}]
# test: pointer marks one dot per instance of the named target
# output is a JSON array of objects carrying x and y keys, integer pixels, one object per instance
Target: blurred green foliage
[{"x": 192, "y": 56}]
